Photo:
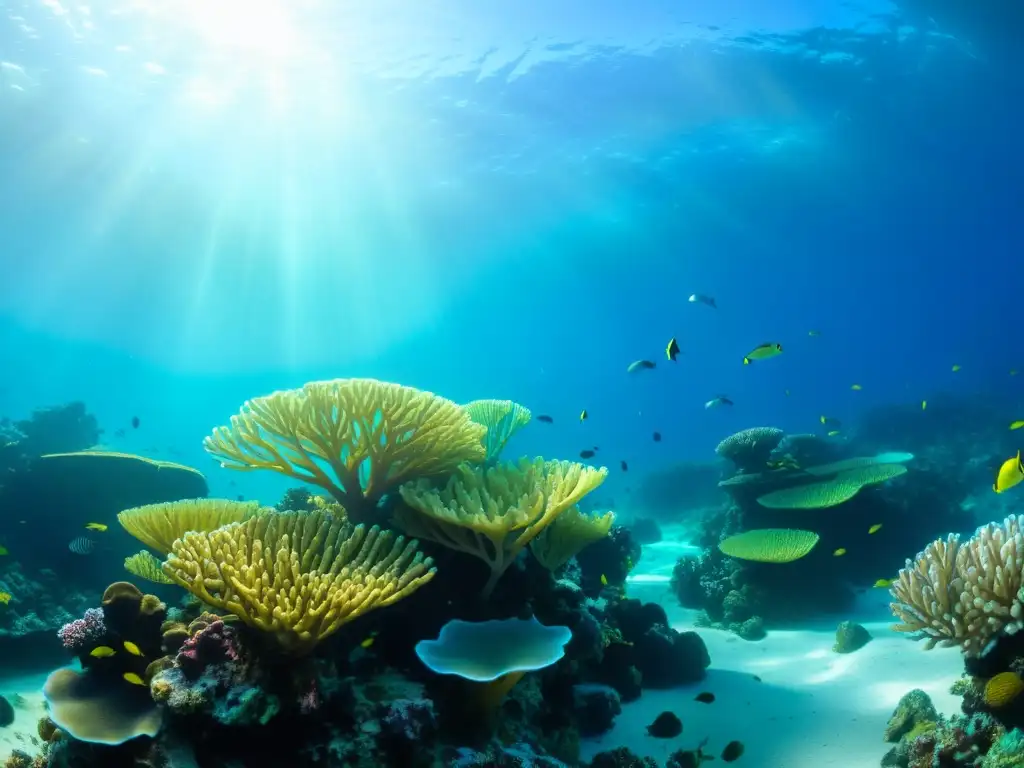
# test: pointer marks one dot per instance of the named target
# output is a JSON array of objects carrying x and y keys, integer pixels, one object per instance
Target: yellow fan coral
[
  {"x": 769, "y": 545},
  {"x": 502, "y": 418},
  {"x": 146, "y": 566},
  {"x": 158, "y": 525},
  {"x": 356, "y": 438},
  {"x": 492, "y": 513},
  {"x": 568, "y": 535},
  {"x": 299, "y": 576},
  {"x": 829, "y": 493}
]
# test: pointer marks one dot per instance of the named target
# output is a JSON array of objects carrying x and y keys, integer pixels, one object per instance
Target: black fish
[
  {"x": 657, "y": 437},
  {"x": 624, "y": 465},
  {"x": 545, "y": 418},
  {"x": 756, "y": 678},
  {"x": 672, "y": 349},
  {"x": 586, "y": 454},
  {"x": 597, "y": 447},
  {"x": 135, "y": 422},
  {"x": 665, "y": 726},
  {"x": 705, "y": 697},
  {"x": 733, "y": 751},
  {"x": 691, "y": 758},
  {"x": 241, "y": 497}
]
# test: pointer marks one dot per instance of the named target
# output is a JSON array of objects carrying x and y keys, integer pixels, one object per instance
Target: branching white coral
[{"x": 964, "y": 593}]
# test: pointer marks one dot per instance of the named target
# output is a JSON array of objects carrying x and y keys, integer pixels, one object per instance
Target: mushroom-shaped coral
[
  {"x": 356, "y": 438},
  {"x": 492, "y": 513},
  {"x": 158, "y": 525},
  {"x": 100, "y": 709},
  {"x": 569, "y": 534},
  {"x": 751, "y": 448},
  {"x": 503, "y": 418},
  {"x": 297, "y": 575},
  {"x": 497, "y": 652},
  {"x": 769, "y": 545},
  {"x": 829, "y": 493}
]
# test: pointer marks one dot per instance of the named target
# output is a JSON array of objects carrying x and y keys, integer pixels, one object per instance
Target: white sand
[
  {"x": 813, "y": 708},
  {"x": 25, "y": 693}
]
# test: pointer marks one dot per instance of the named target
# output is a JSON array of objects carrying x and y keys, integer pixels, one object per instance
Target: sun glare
[{"x": 259, "y": 26}]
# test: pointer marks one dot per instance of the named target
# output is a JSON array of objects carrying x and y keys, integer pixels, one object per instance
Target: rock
[
  {"x": 913, "y": 709},
  {"x": 850, "y": 637},
  {"x": 595, "y": 708},
  {"x": 622, "y": 758}
]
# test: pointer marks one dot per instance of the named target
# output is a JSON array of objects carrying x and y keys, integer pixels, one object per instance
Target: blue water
[{"x": 204, "y": 203}]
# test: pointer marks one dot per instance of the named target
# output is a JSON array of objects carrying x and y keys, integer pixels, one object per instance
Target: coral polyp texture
[
  {"x": 569, "y": 534},
  {"x": 964, "y": 594},
  {"x": 356, "y": 438},
  {"x": 158, "y": 525},
  {"x": 502, "y": 418},
  {"x": 751, "y": 448},
  {"x": 829, "y": 493},
  {"x": 297, "y": 575},
  {"x": 493, "y": 513},
  {"x": 769, "y": 545}
]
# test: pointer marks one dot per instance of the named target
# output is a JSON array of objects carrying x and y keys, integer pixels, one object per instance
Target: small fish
[
  {"x": 133, "y": 678},
  {"x": 762, "y": 352},
  {"x": 640, "y": 365},
  {"x": 717, "y": 402},
  {"x": 240, "y": 497},
  {"x": 875, "y": 528},
  {"x": 5, "y": 597},
  {"x": 546, "y": 419},
  {"x": 757, "y": 679},
  {"x": 1011, "y": 473},
  {"x": 665, "y": 726},
  {"x": 135, "y": 422},
  {"x": 691, "y": 758},
  {"x": 705, "y": 697},
  {"x": 96, "y": 527},
  {"x": 604, "y": 580},
  {"x": 672, "y": 349},
  {"x": 856, "y": 387},
  {"x": 368, "y": 641},
  {"x": 586, "y": 454},
  {"x": 924, "y": 405},
  {"x": 700, "y": 298},
  {"x": 787, "y": 393},
  {"x": 733, "y": 751},
  {"x": 583, "y": 415},
  {"x": 102, "y": 652},
  {"x": 883, "y": 583},
  {"x": 1017, "y": 424},
  {"x": 956, "y": 368},
  {"x": 82, "y": 545},
  {"x": 814, "y": 333},
  {"x": 132, "y": 648},
  {"x": 624, "y": 465},
  {"x": 833, "y": 432},
  {"x": 839, "y": 552},
  {"x": 657, "y": 437},
  {"x": 829, "y": 420}
]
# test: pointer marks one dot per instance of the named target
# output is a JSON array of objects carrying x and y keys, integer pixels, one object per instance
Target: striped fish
[{"x": 82, "y": 545}]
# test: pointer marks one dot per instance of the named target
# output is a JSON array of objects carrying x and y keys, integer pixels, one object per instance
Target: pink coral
[
  {"x": 77, "y": 634},
  {"x": 214, "y": 644}
]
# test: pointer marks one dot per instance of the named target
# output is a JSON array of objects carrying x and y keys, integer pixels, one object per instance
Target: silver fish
[{"x": 700, "y": 298}]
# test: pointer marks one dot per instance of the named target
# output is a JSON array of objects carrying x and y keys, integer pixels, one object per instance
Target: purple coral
[
  {"x": 77, "y": 634},
  {"x": 214, "y": 644}
]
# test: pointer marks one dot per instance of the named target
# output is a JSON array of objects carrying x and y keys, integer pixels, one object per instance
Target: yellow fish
[
  {"x": 881, "y": 583},
  {"x": 1017, "y": 424},
  {"x": 924, "y": 405},
  {"x": 762, "y": 352},
  {"x": 956, "y": 368},
  {"x": 368, "y": 641},
  {"x": 1011, "y": 473},
  {"x": 856, "y": 387},
  {"x": 583, "y": 415},
  {"x": 604, "y": 580},
  {"x": 102, "y": 652},
  {"x": 828, "y": 420},
  {"x": 833, "y": 433},
  {"x": 875, "y": 528},
  {"x": 96, "y": 527},
  {"x": 132, "y": 648},
  {"x": 672, "y": 349},
  {"x": 133, "y": 678},
  {"x": 839, "y": 552},
  {"x": 5, "y": 597}
]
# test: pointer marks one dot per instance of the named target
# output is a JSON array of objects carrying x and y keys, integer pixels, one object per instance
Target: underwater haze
[{"x": 207, "y": 201}]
